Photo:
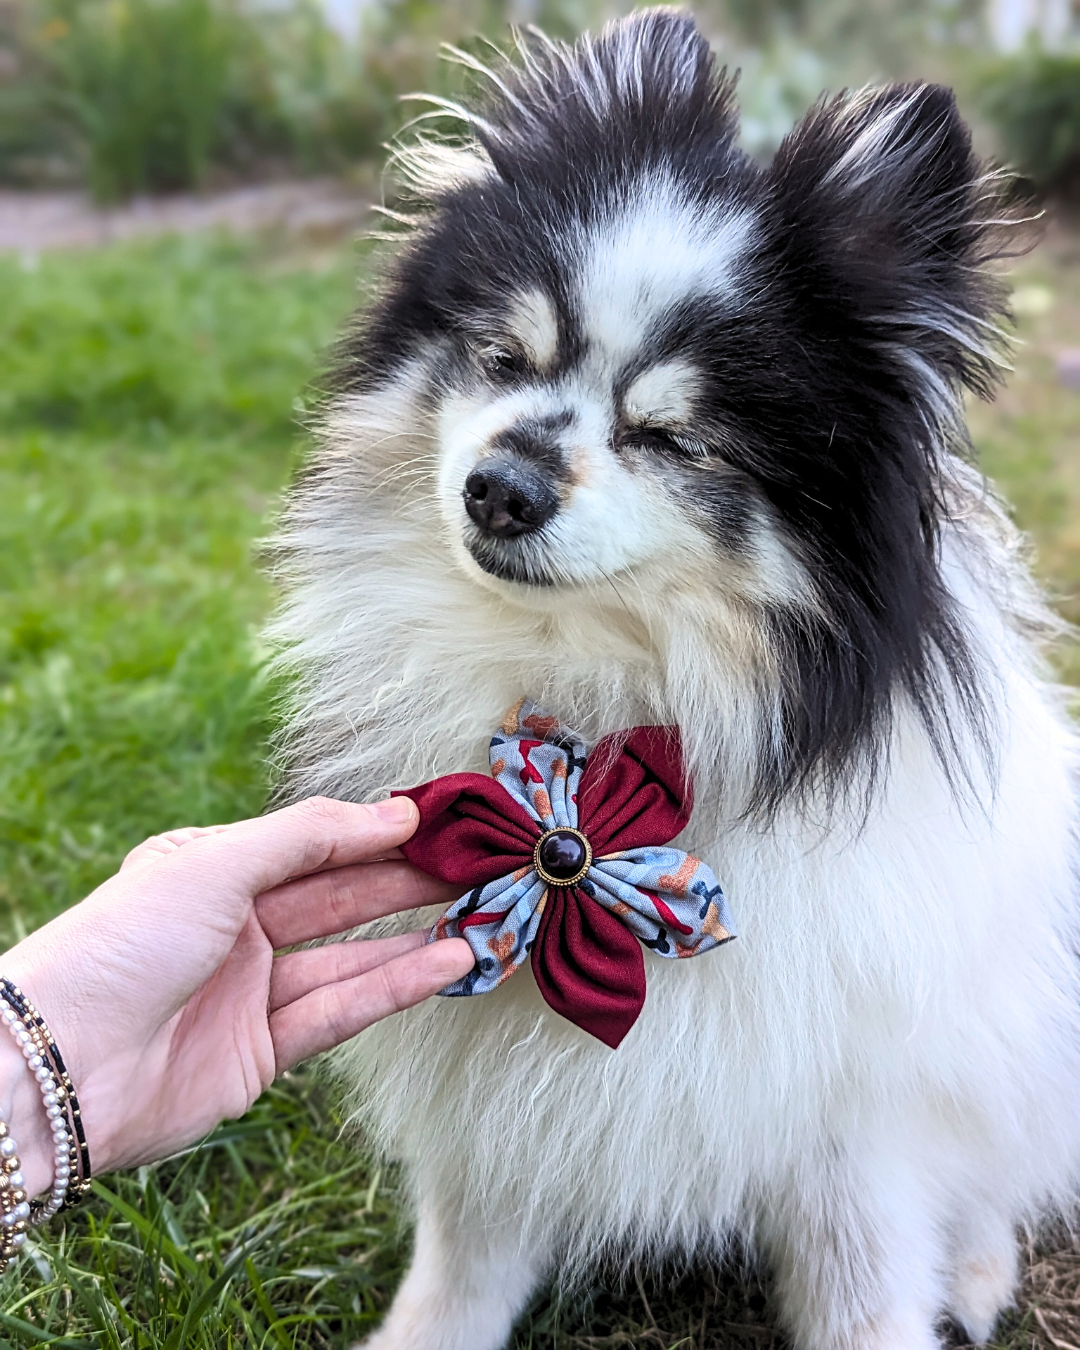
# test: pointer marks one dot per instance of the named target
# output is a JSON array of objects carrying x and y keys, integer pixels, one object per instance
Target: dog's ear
[{"x": 887, "y": 218}]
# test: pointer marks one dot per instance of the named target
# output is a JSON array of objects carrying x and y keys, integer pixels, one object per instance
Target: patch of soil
[{"x": 36, "y": 222}]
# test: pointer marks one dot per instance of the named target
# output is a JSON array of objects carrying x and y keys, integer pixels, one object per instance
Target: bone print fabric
[{"x": 565, "y": 854}]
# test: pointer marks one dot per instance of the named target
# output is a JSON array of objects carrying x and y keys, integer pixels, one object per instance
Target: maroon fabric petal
[
  {"x": 635, "y": 790},
  {"x": 471, "y": 830},
  {"x": 588, "y": 966}
]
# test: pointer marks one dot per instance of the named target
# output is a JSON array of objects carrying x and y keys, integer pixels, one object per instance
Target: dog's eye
[
  {"x": 663, "y": 441},
  {"x": 500, "y": 363},
  {"x": 650, "y": 438}
]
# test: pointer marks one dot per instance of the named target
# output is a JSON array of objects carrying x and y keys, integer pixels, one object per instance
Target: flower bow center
[{"x": 562, "y": 856}]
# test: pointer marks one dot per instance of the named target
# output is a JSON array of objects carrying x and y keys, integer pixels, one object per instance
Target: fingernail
[{"x": 395, "y": 811}]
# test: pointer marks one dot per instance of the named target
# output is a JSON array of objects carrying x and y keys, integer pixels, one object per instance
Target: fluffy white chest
[{"x": 907, "y": 979}]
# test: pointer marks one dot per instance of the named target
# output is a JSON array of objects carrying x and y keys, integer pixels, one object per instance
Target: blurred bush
[
  {"x": 144, "y": 83},
  {"x": 153, "y": 95},
  {"x": 776, "y": 86},
  {"x": 1033, "y": 102}
]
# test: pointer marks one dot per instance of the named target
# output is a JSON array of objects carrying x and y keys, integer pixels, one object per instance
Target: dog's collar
[{"x": 508, "y": 838}]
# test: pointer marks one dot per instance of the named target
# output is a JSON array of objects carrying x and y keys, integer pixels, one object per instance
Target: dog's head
[{"x": 645, "y": 360}]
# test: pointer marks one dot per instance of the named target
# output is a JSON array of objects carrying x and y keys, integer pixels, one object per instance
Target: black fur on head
[
  {"x": 568, "y": 131},
  {"x": 831, "y": 385}
]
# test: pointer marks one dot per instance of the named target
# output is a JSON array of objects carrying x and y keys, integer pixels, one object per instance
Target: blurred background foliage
[
  {"x": 1033, "y": 101},
  {"x": 130, "y": 96}
]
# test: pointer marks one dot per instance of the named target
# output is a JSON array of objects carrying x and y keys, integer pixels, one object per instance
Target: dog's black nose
[{"x": 506, "y": 497}]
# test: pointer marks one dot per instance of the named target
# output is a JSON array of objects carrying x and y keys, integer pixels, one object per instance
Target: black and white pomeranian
[{"x": 651, "y": 433}]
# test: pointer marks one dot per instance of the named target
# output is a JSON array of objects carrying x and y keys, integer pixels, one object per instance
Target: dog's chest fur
[{"x": 883, "y": 954}]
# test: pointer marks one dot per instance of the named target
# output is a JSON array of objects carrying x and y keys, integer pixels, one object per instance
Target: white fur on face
[
  {"x": 533, "y": 323},
  {"x": 618, "y": 513},
  {"x": 664, "y": 394},
  {"x": 612, "y": 518},
  {"x": 648, "y": 255},
  {"x": 616, "y": 517}
]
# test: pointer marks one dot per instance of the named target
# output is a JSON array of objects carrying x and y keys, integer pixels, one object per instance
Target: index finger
[
  {"x": 307, "y": 837},
  {"x": 333, "y": 1013}
]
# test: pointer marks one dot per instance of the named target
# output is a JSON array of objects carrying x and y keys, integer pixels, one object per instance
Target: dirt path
[{"x": 35, "y": 222}]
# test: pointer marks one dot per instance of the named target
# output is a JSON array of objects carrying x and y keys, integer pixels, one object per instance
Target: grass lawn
[{"x": 148, "y": 400}]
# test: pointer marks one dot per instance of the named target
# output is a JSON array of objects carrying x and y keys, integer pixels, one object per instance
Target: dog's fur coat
[{"x": 744, "y": 386}]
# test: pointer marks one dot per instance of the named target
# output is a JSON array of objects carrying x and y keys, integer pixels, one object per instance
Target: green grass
[
  {"x": 148, "y": 406},
  {"x": 1029, "y": 437},
  {"x": 147, "y": 401},
  {"x": 275, "y": 1233}
]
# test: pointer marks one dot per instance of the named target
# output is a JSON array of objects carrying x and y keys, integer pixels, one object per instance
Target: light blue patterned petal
[
  {"x": 669, "y": 898},
  {"x": 563, "y": 805},
  {"x": 540, "y": 766},
  {"x": 499, "y": 930}
]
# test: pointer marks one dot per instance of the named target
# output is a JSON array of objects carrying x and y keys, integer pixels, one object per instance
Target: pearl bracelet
[
  {"x": 32, "y": 1043},
  {"x": 71, "y": 1157},
  {"x": 79, "y": 1174},
  {"x": 14, "y": 1206}
]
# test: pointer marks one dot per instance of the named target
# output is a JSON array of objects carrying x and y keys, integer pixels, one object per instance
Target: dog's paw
[
  {"x": 982, "y": 1290},
  {"x": 424, "y": 1329},
  {"x": 397, "y": 1333}
]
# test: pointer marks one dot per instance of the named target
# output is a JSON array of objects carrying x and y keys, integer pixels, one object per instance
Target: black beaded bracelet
[{"x": 79, "y": 1186}]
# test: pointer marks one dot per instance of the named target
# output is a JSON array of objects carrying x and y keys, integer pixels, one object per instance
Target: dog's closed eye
[
  {"x": 502, "y": 363},
  {"x": 666, "y": 440}
]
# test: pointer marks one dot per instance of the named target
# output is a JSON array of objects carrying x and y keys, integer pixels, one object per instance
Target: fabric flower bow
[{"x": 564, "y": 852}]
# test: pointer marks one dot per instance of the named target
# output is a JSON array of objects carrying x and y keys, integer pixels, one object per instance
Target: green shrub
[
  {"x": 151, "y": 95},
  {"x": 1033, "y": 102},
  {"x": 37, "y": 144},
  {"x": 154, "y": 95},
  {"x": 297, "y": 96},
  {"x": 145, "y": 81}
]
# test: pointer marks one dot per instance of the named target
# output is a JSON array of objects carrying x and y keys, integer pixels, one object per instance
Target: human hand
[{"x": 163, "y": 991}]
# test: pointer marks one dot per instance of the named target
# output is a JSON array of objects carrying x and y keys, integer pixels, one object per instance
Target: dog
[{"x": 653, "y": 433}]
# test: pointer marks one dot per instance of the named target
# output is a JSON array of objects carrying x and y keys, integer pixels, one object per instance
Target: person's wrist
[{"x": 21, "y": 1108}]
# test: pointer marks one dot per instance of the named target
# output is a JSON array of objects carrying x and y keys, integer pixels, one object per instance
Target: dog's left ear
[{"x": 886, "y": 218}]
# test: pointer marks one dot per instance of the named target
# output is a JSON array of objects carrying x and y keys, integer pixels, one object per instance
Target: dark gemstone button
[{"x": 562, "y": 854}]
